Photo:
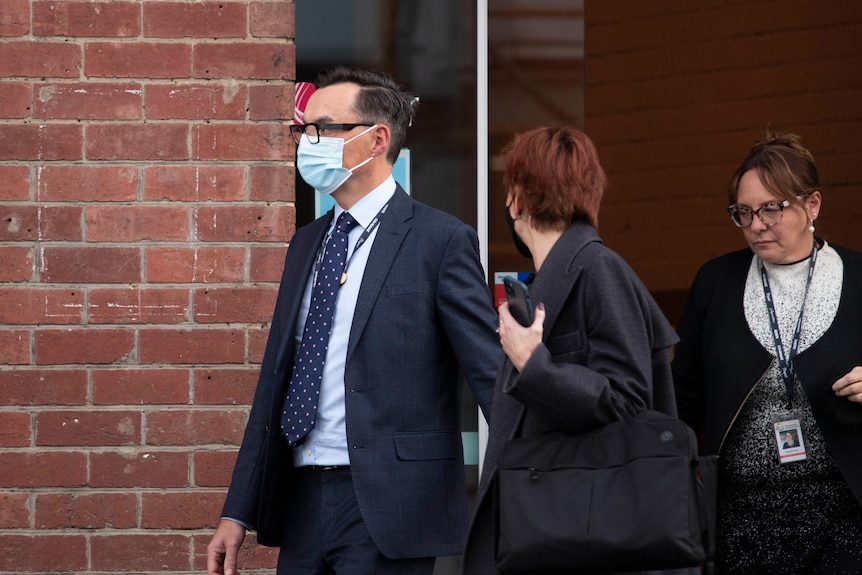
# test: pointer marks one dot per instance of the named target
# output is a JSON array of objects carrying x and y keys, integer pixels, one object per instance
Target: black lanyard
[
  {"x": 365, "y": 233},
  {"x": 785, "y": 360}
]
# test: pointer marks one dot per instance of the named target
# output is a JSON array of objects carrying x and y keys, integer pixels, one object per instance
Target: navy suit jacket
[{"x": 423, "y": 318}]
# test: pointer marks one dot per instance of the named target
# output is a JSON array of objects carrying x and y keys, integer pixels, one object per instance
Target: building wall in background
[
  {"x": 146, "y": 198},
  {"x": 676, "y": 94}
]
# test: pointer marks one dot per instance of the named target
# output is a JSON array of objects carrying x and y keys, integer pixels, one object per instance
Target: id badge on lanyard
[
  {"x": 787, "y": 426},
  {"x": 789, "y": 436}
]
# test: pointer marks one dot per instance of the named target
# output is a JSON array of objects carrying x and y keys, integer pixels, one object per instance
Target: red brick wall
[
  {"x": 676, "y": 94},
  {"x": 146, "y": 197}
]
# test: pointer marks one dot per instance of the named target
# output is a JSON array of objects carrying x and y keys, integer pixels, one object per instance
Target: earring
[{"x": 811, "y": 227}]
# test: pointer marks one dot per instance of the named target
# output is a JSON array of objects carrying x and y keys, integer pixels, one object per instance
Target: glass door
[{"x": 483, "y": 70}]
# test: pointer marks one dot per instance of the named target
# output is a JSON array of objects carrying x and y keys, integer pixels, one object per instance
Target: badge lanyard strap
[
  {"x": 785, "y": 360},
  {"x": 367, "y": 232}
]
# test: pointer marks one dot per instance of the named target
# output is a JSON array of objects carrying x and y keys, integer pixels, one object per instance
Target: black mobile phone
[{"x": 518, "y": 296}]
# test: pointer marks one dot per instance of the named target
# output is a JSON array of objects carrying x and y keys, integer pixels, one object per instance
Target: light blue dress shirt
[{"x": 326, "y": 444}]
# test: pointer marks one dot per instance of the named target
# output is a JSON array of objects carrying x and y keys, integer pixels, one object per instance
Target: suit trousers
[{"x": 325, "y": 533}]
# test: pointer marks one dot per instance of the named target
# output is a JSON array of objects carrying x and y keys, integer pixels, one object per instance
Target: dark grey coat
[{"x": 604, "y": 355}]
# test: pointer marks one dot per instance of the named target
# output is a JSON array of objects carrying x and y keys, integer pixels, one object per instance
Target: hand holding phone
[{"x": 518, "y": 297}]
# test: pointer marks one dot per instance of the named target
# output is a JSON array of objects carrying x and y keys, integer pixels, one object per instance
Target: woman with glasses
[{"x": 771, "y": 344}]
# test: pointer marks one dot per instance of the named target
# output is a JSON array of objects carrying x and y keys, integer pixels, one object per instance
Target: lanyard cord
[
  {"x": 785, "y": 360},
  {"x": 365, "y": 233}
]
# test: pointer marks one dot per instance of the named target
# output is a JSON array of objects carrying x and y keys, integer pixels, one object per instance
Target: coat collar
[{"x": 555, "y": 280}]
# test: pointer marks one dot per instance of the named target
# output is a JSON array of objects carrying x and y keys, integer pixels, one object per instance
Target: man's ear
[{"x": 382, "y": 137}]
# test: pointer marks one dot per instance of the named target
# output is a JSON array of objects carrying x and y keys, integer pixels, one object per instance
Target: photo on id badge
[{"x": 789, "y": 439}]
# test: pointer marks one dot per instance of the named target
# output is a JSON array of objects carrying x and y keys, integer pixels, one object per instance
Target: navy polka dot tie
[{"x": 300, "y": 404}]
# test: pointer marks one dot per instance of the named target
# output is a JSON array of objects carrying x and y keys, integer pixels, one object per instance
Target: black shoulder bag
[{"x": 630, "y": 496}]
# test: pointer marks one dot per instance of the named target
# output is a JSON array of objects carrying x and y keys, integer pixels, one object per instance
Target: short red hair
[{"x": 556, "y": 176}]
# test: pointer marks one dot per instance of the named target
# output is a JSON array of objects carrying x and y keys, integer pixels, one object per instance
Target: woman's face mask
[
  {"x": 519, "y": 243},
  {"x": 321, "y": 165}
]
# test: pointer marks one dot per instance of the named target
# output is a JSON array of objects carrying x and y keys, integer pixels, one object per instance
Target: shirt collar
[{"x": 365, "y": 209}]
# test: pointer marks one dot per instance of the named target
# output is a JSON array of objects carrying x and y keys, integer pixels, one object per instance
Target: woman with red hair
[{"x": 596, "y": 351}]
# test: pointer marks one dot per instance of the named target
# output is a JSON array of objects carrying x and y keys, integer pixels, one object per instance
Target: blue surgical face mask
[{"x": 321, "y": 165}]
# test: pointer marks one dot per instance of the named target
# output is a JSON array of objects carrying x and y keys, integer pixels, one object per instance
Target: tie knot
[{"x": 345, "y": 223}]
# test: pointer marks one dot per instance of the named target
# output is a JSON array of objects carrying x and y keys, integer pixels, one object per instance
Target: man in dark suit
[{"x": 374, "y": 482}]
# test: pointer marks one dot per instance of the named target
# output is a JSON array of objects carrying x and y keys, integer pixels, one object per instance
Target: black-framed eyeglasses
[
  {"x": 769, "y": 213},
  {"x": 313, "y": 129}
]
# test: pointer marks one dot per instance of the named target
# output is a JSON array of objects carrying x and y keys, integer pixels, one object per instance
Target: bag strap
[{"x": 708, "y": 465}]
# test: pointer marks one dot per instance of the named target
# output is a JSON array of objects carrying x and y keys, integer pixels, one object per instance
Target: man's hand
[
  {"x": 223, "y": 548},
  {"x": 850, "y": 386}
]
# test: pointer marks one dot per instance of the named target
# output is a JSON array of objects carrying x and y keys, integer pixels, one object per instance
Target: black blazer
[
  {"x": 604, "y": 355},
  {"x": 718, "y": 361},
  {"x": 424, "y": 317}
]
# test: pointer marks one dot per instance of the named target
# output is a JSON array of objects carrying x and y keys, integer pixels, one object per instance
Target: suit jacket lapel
[
  {"x": 394, "y": 226},
  {"x": 301, "y": 256}
]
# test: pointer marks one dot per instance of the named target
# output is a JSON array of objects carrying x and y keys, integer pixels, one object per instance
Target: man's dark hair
[{"x": 381, "y": 100}]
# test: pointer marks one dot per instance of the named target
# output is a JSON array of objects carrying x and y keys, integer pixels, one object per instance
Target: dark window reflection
[
  {"x": 535, "y": 77},
  {"x": 429, "y": 45}
]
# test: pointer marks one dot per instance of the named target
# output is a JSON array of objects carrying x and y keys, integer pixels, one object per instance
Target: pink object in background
[{"x": 304, "y": 90}]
